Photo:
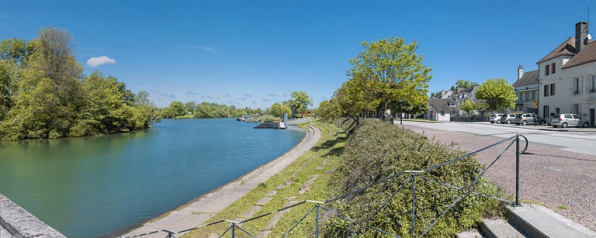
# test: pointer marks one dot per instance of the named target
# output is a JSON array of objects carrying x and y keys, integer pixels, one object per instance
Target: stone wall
[{"x": 17, "y": 222}]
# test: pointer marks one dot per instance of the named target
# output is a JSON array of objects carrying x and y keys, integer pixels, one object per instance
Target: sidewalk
[{"x": 201, "y": 210}]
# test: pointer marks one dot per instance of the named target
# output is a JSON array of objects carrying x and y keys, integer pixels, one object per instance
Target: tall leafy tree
[
  {"x": 392, "y": 71},
  {"x": 299, "y": 102},
  {"x": 498, "y": 93},
  {"x": 190, "y": 107}
]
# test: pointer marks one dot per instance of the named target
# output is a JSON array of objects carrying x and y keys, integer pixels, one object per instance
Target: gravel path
[{"x": 563, "y": 181}]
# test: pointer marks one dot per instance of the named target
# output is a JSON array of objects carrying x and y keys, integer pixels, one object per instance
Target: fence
[{"x": 235, "y": 227}]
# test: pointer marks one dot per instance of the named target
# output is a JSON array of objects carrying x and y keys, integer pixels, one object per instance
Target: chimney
[
  {"x": 520, "y": 72},
  {"x": 581, "y": 35}
]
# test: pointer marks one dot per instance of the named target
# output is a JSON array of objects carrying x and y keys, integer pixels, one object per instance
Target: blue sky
[{"x": 255, "y": 53}]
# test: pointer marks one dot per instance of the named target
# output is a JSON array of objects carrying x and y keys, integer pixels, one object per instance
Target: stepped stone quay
[
  {"x": 562, "y": 181},
  {"x": 199, "y": 211}
]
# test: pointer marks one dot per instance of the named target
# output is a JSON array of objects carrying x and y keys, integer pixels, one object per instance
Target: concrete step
[
  {"x": 537, "y": 221},
  {"x": 498, "y": 229}
]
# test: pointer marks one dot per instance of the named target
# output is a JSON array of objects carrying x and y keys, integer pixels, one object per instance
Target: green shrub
[{"x": 377, "y": 150}]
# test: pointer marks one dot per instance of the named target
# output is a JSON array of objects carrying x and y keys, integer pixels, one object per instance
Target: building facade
[{"x": 567, "y": 77}]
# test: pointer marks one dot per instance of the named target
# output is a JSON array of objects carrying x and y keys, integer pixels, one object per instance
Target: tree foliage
[
  {"x": 467, "y": 106},
  {"x": 299, "y": 102},
  {"x": 462, "y": 83},
  {"x": 387, "y": 74},
  {"x": 43, "y": 93},
  {"x": 498, "y": 93}
]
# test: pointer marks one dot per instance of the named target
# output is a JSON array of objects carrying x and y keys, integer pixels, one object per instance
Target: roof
[
  {"x": 529, "y": 78},
  {"x": 587, "y": 55},
  {"x": 566, "y": 48},
  {"x": 442, "y": 104}
]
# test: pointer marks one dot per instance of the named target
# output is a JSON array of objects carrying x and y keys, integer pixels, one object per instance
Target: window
[
  {"x": 552, "y": 89},
  {"x": 442, "y": 113},
  {"x": 575, "y": 86},
  {"x": 552, "y": 68},
  {"x": 576, "y": 108},
  {"x": 557, "y": 110},
  {"x": 527, "y": 98},
  {"x": 547, "y": 70},
  {"x": 546, "y": 90},
  {"x": 592, "y": 82},
  {"x": 533, "y": 95},
  {"x": 545, "y": 111}
]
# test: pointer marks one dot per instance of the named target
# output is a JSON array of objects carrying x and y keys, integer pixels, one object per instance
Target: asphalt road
[{"x": 580, "y": 140}]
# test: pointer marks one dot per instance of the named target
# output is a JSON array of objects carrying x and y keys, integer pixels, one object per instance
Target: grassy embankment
[
  {"x": 326, "y": 151},
  {"x": 373, "y": 152}
]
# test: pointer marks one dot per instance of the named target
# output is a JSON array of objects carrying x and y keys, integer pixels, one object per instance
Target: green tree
[
  {"x": 481, "y": 106},
  {"x": 299, "y": 102},
  {"x": 391, "y": 71},
  {"x": 190, "y": 107},
  {"x": 498, "y": 93},
  {"x": 275, "y": 110},
  {"x": 467, "y": 106},
  {"x": 175, "y": 109}
]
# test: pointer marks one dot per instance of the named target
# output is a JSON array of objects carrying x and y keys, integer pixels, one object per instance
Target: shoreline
[{"x": 199, "y": 210}]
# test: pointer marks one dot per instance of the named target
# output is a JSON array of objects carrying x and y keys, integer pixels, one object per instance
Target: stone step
[
  {"x": 499, "y": 228},
  {"x": 537, "y": 221}
]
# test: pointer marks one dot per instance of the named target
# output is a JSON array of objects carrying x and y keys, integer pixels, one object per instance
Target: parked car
[
  {"x": 495, "y": 118},
  {"x": 524, "y": 119},
  {"x": 544, "y": 121},
  {"x": 567, "y": 119},
  {"x": 507, "y": 118}
]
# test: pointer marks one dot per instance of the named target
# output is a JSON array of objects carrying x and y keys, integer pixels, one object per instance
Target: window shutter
[{"x": 581, "y": 85}]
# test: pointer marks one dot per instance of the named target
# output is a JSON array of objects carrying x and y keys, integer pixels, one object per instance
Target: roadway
[{"x": 580, "y": 140}]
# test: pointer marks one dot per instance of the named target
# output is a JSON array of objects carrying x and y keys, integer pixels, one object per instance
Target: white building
[
  {"x": 567, "y": 77},
  {"x": 526, "y": 90}
]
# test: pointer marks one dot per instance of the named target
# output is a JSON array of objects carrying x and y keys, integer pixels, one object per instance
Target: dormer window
[{"x": 547, "y": 70}]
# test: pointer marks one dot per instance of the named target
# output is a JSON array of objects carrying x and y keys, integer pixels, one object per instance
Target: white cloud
[
  {"x": 278, "y": 95},
  {"x": 97, "y": 61},
  {"x": 214, "y": 96}
]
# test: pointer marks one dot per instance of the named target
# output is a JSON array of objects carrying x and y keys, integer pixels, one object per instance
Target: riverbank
[{"x": 203, "y": 208}]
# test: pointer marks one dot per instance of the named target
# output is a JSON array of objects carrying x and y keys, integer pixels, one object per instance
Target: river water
[{"x": 85, "y": 187}]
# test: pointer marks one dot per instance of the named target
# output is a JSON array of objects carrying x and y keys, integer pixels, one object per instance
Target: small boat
[{"x": 240, "y": 118}]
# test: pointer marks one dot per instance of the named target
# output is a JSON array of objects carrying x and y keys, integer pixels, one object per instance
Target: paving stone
[
  {"x": 264, "y": 200},
  {"x": 251, "y": 211}
]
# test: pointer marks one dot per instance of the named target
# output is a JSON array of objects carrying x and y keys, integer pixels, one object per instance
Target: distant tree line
[
  {"x": 178, "y": 109},
  {"x": 44, "y": 94}
]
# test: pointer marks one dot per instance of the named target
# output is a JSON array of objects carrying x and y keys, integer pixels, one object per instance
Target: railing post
[
  {"x": 517, "y": 171},
  {"x": 233, "y": 230},
  {"x": 414, "y": 205},
  {"x": 317, "y": 222}
]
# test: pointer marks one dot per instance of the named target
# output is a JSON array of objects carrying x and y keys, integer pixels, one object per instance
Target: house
[
  {"x": 567, "y": 77},
  {"x": 526, "y": 90},
  {"x": 441, "y": 109},
  {"x": 457, "y": 97}
]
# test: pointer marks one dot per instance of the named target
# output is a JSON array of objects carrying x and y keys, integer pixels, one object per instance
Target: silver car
[
  {"x": 507, "y": 118},
  {"x": 524, "y": 119},
  {"x": 495, "y": 118},
  {"x": 567, "y": 119}
]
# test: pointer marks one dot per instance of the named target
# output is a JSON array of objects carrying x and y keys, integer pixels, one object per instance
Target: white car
[{"x": 565, "y": 120}]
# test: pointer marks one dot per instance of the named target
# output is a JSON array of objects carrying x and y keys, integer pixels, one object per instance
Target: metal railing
[{"x": 412, "y": 176}]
